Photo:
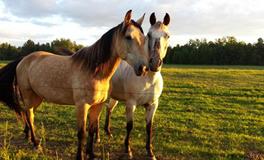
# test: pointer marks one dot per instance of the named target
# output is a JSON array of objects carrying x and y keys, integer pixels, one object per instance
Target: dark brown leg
[
  {"x": 149, "y": 140},
  {"x": 110, "y": 107},
  {"x": 94, "y": 115},
  {"x": 97, "y": 136},
  {"x": 107, "y": 126},
  {"x": 81, "y": 142},
  {"x": 26, "y": 129},
  {"x": 127, "y": 140},
  {"x": 150, "y": 112},
  {"x": 130, "y": 108},
  {"x": 90, "y": 149},
  {"x": 81, "y": 114}
]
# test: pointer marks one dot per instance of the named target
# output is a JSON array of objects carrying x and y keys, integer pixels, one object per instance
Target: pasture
[{"x": 205, "y": 112}]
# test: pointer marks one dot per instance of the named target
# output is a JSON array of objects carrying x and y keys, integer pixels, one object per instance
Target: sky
[{"x": 84, "y": 21}]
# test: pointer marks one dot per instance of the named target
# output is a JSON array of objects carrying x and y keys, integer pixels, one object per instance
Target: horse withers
[
  {"x": 145, "y": 90},
  {"x": 82, "y": 79}
]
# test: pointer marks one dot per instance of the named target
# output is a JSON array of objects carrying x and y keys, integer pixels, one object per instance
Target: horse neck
[{"x": 109, "y": 68}]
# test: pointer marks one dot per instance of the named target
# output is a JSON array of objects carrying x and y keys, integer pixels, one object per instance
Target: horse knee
[{"x": 130, "y": 112}]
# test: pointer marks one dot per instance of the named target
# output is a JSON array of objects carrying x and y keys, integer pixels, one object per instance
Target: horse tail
[{"x": 8, "y": 91}]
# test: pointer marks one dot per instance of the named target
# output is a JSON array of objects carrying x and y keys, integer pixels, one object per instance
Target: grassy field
[{"x": 205, "y": 112}]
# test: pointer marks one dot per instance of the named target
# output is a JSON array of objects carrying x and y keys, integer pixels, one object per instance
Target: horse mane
[{"x": 94, "y": 58}]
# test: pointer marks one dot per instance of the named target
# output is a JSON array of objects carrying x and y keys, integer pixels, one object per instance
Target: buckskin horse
[{"x": 82, "y": 79}]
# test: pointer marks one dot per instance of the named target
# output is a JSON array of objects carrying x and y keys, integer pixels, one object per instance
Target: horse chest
[
  {"x": 140, "y": 89},
  {"x": 146, "y": 91},
  {"x": 149, "y": 94},
  {"x": 98, "y": 93}
]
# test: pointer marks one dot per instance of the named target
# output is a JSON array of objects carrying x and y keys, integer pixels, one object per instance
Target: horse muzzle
[{"x": 155, "y": 64}]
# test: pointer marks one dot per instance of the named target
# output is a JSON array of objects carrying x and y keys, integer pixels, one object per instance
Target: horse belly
[
  {"x": 58, "y": 96},
  {"x": 118, "y": 95}
]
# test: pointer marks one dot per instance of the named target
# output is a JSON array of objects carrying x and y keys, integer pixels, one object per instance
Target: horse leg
[
  {"x": 97, "y": 131},
  {"x": 81, "y": 114},
  {"x": 110, "y": 107},
  {"x": 130, "y": 108},
  {"x": 31, "y": 101},
  {"x": 26, "y": 129},
  {"x": 30, "y": 122},
  {"x": 94, "y": 113},
  {"x": 97, "y": 136},
  {"x": 150, "y": 112}
]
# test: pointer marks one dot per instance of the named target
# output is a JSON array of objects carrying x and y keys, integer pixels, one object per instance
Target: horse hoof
[
  {"x": 38, "y": 148},
  {"x": 110, "y": 136},
  {"x": 80, "y": 156},
  {"x": 93, "y": 156},
  {"x": 36, "y": 142},
  {"x": 152, "y": 158},
  {"x": 27, "y": 138},
  {"x": 98, "y": 140},
  {"x": 130, "y": 155}
]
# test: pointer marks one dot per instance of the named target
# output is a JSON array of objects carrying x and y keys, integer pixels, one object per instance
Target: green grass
[
  {"x": 205, "y": 112},
  {"x": 2, "y": 63}
]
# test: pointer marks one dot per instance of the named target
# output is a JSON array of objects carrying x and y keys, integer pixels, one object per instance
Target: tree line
[
  {"x": 222, "y": 51},
  {"x": 10, "y": 52}
]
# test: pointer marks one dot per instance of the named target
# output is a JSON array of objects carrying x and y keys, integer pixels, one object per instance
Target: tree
[
  {"x": 58, "y": 44},
  {"x": 8, "y": 52},
  {"x": 28, "y": 47}
]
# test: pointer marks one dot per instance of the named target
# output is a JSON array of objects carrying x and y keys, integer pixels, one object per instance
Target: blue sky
[{"x": 84, "y": 21}]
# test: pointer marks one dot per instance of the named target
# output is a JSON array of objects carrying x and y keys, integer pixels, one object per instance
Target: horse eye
[{"x": 128, "y": 37}]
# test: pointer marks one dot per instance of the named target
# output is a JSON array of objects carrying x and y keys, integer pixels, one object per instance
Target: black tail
[{"x": 8, "y": 94}]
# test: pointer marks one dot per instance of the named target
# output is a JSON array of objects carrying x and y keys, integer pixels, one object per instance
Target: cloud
[
  {"x": 189, "y": 18},
  {"x": 31, "y": 8}
]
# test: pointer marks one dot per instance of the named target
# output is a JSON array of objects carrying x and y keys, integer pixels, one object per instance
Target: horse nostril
[{"x": 140, "y": 68}]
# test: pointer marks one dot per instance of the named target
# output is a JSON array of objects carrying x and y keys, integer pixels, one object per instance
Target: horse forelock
[{"x": 158, "y": 25}]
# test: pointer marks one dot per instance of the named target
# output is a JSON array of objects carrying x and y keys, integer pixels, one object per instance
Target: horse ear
[
  {"x": 166, "y": 19},
  {"x": 140, "y": 20},
  {"x": 152, "y": 19},
  {"x": 127, "y": 18}
]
